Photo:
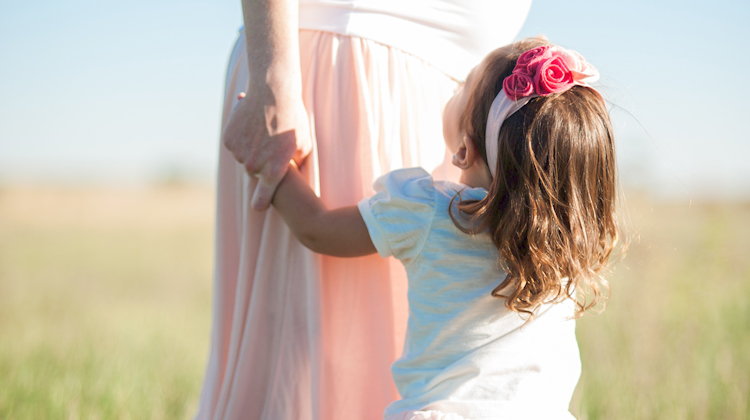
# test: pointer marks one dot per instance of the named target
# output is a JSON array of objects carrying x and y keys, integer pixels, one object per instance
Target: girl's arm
[{"x": 338, "y": 232}]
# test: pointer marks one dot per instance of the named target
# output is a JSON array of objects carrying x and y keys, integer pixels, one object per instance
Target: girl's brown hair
[{"x": 550, "y": 209}]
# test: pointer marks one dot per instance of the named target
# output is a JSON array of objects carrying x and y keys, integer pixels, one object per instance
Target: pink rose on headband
[
  {"x": 529, "y": 60},
  {"x": 518, "y": 86},
  {"x": 552, "y": 75},
  {"x": 578, "y": 66},
  {"x": 546, "y": 70}
]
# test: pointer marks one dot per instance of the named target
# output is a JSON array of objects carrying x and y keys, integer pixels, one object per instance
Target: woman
[{"x": 356, "y": 87}]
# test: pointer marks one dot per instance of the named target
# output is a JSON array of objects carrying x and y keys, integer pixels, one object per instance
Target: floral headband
[{"x": 540, "y": 71}]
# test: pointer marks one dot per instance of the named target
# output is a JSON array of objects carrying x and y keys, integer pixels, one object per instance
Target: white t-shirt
[
  {"x": 465, "y": 353},
  {"x": 452, "y": 35}
]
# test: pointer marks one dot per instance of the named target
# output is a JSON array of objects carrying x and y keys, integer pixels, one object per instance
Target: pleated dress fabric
[{"x": 296, "y": 335}]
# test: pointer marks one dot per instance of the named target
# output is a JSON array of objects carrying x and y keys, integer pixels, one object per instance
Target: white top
[
  {"x": 452, "y": 35},
  {"x": 465, "y": 353}
]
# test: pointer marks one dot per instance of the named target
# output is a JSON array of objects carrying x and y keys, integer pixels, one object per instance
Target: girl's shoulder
[
  {"x": 407, "y": 182},
  {"x": 448, "y": 191},
  {"x": 400, "y": 214},
  {"x": 418, "y": 183},
  {"x": 407, "y": 206}
]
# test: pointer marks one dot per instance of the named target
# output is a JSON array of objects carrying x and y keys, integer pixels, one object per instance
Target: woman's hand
[
  {"x": 270, "y": 125},
  {"x": 264, "y": 132}
]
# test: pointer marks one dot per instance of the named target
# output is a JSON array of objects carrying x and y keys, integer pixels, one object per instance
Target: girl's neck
[{"x": 476, "y": 176}]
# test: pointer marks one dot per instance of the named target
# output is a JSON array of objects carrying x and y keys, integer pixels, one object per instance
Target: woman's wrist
[{"x": 272, "y": 36}]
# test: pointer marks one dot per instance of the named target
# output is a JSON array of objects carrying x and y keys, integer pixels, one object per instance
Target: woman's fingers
[
  {"x": 263, "y": 138},
  {"x": 281, "y": 147}
]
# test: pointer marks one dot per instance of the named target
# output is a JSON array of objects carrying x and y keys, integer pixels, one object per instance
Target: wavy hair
[{"x": 550, "y": 209}]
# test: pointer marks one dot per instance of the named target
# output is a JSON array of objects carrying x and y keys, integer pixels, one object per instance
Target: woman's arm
[
  {"x": 270, "y": 126},
  {"x": 339, "y": 232}
]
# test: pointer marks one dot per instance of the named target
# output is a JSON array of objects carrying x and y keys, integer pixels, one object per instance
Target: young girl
[{"x": 501, "y": 263}]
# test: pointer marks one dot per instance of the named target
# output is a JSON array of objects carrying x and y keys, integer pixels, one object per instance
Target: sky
[{"x": 102, "y": 92}]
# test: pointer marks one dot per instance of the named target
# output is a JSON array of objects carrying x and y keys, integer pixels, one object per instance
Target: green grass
[
  {"x": 103, "y": 317},
  {"x": 674, "y": 341},
  {"x": 105, "y": 303}
]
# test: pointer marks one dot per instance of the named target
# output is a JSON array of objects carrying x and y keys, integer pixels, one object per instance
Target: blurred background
[{"x": 109, "y": 126}]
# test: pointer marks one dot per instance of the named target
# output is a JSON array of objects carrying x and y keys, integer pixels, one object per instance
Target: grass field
[{"x": 105, "y": 300}]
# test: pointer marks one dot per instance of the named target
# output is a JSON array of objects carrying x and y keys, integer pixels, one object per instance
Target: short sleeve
[{"x": 400, "y": 214}]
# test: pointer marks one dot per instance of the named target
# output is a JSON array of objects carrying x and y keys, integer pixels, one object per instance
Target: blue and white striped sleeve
[{"x": 400, "y": 214}]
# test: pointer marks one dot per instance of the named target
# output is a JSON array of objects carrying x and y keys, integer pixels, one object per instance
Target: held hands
[{"x": 264, "y": 132}]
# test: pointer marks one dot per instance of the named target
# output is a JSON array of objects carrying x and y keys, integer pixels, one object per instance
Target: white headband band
[
  {"x": 502, "y": 108},
  {"x": 540, "y": 71}
]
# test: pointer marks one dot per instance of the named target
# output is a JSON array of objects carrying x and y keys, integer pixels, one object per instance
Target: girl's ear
[{"x": 466, "y": 154}]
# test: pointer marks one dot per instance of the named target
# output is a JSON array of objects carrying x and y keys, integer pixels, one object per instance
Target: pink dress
[{"x": 296, "y": 335}]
